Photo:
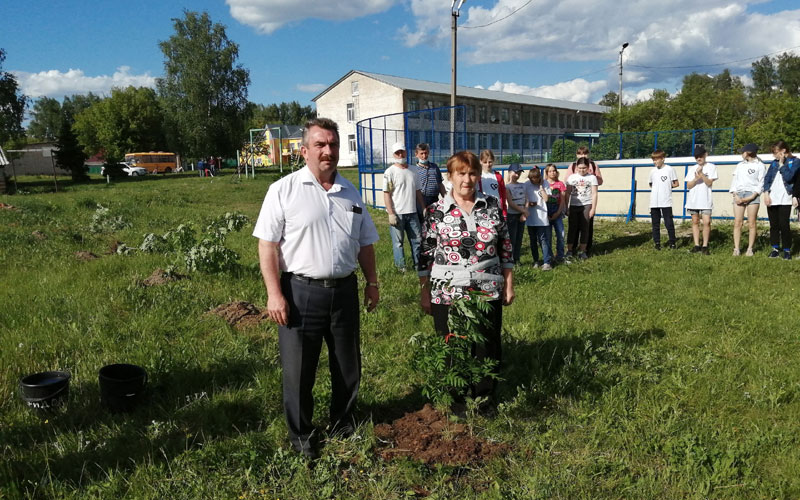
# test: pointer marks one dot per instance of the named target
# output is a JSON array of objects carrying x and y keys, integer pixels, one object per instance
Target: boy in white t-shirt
[
  {"x": 699, "y": 199},
  {"x": 401, "y": 194},
  {"x": 662, "y": 180}
]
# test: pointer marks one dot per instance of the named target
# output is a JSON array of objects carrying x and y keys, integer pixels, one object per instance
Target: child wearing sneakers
[
  {"x": 556, "y": 207},
  {"x": 538, "y": 223},
  {"x": 662, "y": 180},
  {"x": 581, "y": 206},
  {"x": 699, "y": 199},
  {"x": 746, "y": 187},
  {"x": 517, "y": 209}
]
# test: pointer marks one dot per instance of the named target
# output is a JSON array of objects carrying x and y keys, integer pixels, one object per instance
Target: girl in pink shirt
[{"x": 555, "y": 207}]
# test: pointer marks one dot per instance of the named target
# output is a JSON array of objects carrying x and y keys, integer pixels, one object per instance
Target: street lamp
[
  {"x": 454, "y": 11},
  {"x": 619, "y": 97}
]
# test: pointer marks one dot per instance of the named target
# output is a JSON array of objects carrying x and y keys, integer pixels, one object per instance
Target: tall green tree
[
  {"x": 204, "y": 89},
  {"x": 129, "y": 120},
  {"x": 46, "y": 119},
  {"x": 69, "y": 153},
  {"x": 764, "y": 76},
  {"x": 291, "y": 113},
  {"x": 76, "y": 103},
  {"x": 788, "y": 74},
  {"x": 12, "y": 105}
]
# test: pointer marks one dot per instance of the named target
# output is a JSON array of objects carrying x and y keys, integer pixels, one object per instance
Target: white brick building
[{"x": 495, "y": 120}]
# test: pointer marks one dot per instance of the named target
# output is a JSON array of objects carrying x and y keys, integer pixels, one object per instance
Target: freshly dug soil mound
[
  {"x": 84, "y": 255},
  {"x": 240, "y": 314},
  {"x": 161, "y": 277},
  {"x": 428, "y": 436}
]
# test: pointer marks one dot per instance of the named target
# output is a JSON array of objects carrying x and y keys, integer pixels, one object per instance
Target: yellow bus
[{"x": 156, "y": 162}]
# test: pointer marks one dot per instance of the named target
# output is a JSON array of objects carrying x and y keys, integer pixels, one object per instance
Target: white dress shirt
[{"x": 320, "y": 232}]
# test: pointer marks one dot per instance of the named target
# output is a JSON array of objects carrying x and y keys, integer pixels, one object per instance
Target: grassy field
[{"x": 636, "y": 374}]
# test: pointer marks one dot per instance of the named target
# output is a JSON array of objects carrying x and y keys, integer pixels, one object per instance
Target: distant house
[
  {"x": 283, "y": 142},
  {"x": 494, "y": 120}
]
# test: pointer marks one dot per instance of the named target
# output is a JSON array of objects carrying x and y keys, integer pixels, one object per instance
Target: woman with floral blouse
[{"x": 466, "y": 248}]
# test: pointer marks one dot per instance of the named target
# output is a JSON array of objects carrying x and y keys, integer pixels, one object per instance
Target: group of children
[
  {"x": 542, "y": 203},
  {"x": 751, "y": 180}
]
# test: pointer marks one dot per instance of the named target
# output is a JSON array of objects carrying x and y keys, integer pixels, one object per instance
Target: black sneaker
[
  {"x": 704, "y": 251},
  {"x": 774, "y": 254},
  {"x": 658, "y": 246},
  {"x": 671, "y": 245},
  {"x": 695, "y": 249},
  {"x": 787, "y": 255}
]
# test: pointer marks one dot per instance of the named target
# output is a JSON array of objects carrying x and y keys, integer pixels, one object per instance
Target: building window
[
  {"x": 482, "y": 114},
  {"x": 526, "y": 117},
  {"x": 472, "y": 142},
  {"x": 504, "y": 116},
  {"x": 494, "y": 114},
  {"x": 515, "y": 141},
  {"x": 483, "y": 141},
  {"x": 470, "y": 113},
  {"x": 351, "y": 112},
  {"x": 413, "y": 105},
  {"x": 351, "y": 141},
  {"x": 515, "y": 120},
  {"x": 444, "y": 113},
  {"x": 562, "y": 120},
  {"x": 553, "y": 123},
  {"x": 354, "y": 87}
]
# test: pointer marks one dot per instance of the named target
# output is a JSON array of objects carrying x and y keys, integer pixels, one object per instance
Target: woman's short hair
[
  {"x": 487, "y": 154},
  {"x": 463, "y": 160}
]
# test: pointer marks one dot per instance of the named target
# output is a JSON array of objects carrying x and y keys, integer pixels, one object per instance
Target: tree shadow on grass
[
  {"x": 183, "y": 409},
  {"x": 569, "y": 366}
]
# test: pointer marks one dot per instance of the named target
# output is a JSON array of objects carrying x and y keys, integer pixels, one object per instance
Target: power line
[
  {"x": 714, "y": 64},
  {"x": 497, "y": 20}
]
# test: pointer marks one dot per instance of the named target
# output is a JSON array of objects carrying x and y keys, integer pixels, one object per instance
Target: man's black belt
[{"x": 324, "y": 283}]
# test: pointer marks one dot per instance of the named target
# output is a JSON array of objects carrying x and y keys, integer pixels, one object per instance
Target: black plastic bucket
[
  {"x": 45, "y": 390},
  {"x": 121, "y": 386}
]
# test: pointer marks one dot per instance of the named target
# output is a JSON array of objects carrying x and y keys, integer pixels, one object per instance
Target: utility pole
[
  {"x": 454, "y": 11},
  {"x": 619, "y": 97}
]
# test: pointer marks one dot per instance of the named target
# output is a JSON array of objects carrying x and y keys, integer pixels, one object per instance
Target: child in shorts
[{"x": 699, "y": 199}]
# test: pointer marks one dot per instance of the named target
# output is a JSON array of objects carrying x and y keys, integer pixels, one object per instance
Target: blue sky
[{"x": 565, "y": 49}]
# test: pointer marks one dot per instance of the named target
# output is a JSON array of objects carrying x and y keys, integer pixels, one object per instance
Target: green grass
[{"x": 637, "y": 374}]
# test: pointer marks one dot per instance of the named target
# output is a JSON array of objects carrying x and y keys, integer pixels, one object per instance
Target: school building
[{"x": 494, "y": 120}]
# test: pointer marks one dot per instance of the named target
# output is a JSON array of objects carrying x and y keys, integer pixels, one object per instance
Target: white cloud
[
  {"x": 314, "y": 88},
  {"x": 267, "y": 16},
  {"x": 577, "y": 90},
  {"x": 54, "y": 83},
  {"x": 661, "y": 34}
]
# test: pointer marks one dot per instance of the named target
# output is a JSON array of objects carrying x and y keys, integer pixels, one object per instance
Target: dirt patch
[
  {"x": 161, "y": 277},
  {"x": 39, "y": 235},
  {"x": 84, "y": 255},
  {"x": 240, "y": 314},
  {"x": 428, "y": 436},
  {"x": 6, "y": 206}
]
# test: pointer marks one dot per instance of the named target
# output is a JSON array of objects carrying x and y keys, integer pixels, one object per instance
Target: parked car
[{"x": 122, "y": 170}]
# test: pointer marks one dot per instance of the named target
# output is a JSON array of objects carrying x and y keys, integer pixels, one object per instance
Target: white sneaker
[
  {"x": 736, "y": 252},
  {"x": 546, "y": 267},
  {"x": 749, "y": 252}
]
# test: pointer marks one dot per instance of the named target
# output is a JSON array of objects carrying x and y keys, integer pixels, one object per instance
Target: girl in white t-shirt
[
  {"x": 491, "y": 183},
  {"x": 662, "y": 180},
  {"x": 582, "y": 204},
  {"x": 746, "y": 187},
  {"x": 538, "y": 222},
  {"x": 699, "y": 199}
]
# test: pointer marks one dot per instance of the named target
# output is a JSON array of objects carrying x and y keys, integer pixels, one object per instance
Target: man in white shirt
[
  {"x": 314, "y": 229},
  {"x": 402, "y": 196}
]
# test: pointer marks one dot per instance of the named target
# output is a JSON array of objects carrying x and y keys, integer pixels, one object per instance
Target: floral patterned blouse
[{"x": 451, "y": 237}]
